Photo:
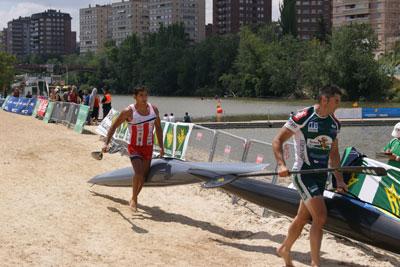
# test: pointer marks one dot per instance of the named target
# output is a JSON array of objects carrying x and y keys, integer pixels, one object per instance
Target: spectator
[
  {"x": 29, "y": 94},
  {"x": 171, "y": 117},
  {"x": 94, "y": 104},
  {"x": 73, "y": 95},
  {"x": 187, "y": 118},
  {"x": 86, "y": 97},
  {"x": 52, "y": 96},
  {"x": 165, "y": 118},
  {"x": 106, "y": 101},
  {"x": 65, "y": 95},
  {"x": 57, "y": 93},
  {"x": 15, "y": 92}
]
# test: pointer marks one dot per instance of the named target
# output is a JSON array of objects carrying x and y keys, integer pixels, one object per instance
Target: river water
[{"x": 367, "y": 139}]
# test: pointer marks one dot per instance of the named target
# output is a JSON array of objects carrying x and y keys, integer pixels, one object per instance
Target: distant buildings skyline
[{"x": 45, "y": 33}]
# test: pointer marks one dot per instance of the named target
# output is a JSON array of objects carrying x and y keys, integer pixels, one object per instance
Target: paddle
[{"x": 221, "y": 180}]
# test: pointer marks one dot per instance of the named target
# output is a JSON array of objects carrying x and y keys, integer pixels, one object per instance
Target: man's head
[
  {"x": 396, "y": 131},
  {"x": 140, "y": 93},
  {"x": 329, "y": 97}
]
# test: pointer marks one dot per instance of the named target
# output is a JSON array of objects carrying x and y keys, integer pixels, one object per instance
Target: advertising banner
[
  {"x": 169, "y": 139},
  {"x": 81, "y": 119},
  {"x": 105, "y": 124},
  {"x": 49, "y": 112},
  {"x": 42, "y": 108},
  {"x": 182, "y": 133},
  {"x": 20, "y": 105},
  {"x": 380, "y": 112}
]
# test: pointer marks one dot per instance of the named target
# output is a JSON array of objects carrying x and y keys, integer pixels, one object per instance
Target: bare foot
[
  {"x": 285, "y": 255},
  {"x": 132, "y": 205}
]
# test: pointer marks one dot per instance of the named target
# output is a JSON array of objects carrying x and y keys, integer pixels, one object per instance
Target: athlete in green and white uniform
[
  {"x": 393, "y": 147},
  {"x": 313, "y": 136},
  {"x": 315, "y": 131}
]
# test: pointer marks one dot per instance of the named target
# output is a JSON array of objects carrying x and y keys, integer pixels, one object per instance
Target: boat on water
[{"x": 347, "y": 216}]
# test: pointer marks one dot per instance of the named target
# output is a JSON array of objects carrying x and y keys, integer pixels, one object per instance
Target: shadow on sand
[{"x": 159, "y": 215}]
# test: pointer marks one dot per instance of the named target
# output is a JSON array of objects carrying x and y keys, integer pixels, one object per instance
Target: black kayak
[{"x": 347, "y": 216}]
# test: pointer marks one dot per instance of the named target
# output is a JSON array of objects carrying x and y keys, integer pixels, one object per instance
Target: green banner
[
  {"x": 34, "y": 113},
  {"x": 49, "y": 112},
  {"x": 82, "y": 117},
  {"x": 169, "y": 140},
  {"x": 121, "y": 131},
  {"x": 156, "y": 145},
  {"x": 180, "y": 138},
  {"x": 382, "y": 192}
]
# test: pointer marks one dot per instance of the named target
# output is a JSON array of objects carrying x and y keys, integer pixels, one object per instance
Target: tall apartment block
[
  {"x": 230, "y": 15},
  {"x": 311, "y": 16},
  {"x": 121, "y": 21},
  {"x": 3, "y": 40},
  {"x": 382, "y": 15},
  {"x": 18, "y": 34},
  {"x": 189, "y": 12},
  {"x": 50, "y": 33},
  {"x": 94, "y": 30}
]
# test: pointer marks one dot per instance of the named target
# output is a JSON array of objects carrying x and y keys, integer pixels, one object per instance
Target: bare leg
[
  {"x": 146, "y": 169},
  {"x": 302, "y": 217},
  {"x": 137, "y": 165},
  {"x": 317, "y": 208}
]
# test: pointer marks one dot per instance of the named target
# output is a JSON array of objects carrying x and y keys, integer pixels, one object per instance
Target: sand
[{"x": 50, "y": 216}]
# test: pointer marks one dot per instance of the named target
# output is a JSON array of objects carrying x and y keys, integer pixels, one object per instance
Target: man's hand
[
  {"x": 283, "y": 171},
  {"x": 341, "y": 187},
  {"x": 105, "y": 148},
  {"x": 162, "y": 152}
]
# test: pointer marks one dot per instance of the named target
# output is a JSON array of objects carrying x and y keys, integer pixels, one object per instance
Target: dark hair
[
  {"x": 329, "y": 91},
  {"x": 139, "y": 89}
]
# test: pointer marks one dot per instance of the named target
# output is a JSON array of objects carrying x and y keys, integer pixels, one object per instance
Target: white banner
[{"x": 349, "y": 113}]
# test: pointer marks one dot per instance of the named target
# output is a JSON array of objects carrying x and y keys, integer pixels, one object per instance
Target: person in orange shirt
[{"x": 106, "y": 101}]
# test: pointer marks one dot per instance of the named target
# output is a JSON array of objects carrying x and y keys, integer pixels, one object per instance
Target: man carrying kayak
[
  {"x": 315, "y": 130},
  {"x": 142, "y": 117},
  {"x": 392, "y": 149}
]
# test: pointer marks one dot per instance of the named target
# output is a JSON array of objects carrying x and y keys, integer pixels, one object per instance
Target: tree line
[{"x": 260, "y": 61}]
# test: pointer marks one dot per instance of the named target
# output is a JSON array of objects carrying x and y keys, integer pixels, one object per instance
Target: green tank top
[{"x": 394, "y": 146}]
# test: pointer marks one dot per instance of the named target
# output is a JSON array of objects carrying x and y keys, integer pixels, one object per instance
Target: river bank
[{"x": 50, "y": 216}]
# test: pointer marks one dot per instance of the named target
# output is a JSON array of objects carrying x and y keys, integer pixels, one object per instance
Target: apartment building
[{"x": 313, "y": 17}]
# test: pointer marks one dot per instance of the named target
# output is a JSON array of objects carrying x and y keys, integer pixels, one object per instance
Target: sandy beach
[{"x": 50, "y": 216}]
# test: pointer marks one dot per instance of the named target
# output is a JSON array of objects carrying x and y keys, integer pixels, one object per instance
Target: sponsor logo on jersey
[
  {"x": 313, "y": 127},
  {"x": 300, "y": 115},
  {"x": 322, "y": 142}
]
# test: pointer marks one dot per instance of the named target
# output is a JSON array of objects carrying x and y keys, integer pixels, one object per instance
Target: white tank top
[{"x": 141, "y": 127}]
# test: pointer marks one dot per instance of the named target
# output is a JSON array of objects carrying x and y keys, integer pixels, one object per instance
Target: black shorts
[
  {"x": 309, "y": 186},
  {"x": 95, "y": 113}
]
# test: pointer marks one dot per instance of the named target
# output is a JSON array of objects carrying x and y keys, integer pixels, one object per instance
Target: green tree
[
  {"x": 287, "y": 20},
  {"x": 7, "y": 70},
  {"x": 353, "y": 66}
]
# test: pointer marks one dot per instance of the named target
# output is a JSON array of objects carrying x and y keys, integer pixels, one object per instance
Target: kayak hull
[
  {"x": 347, "y": 216},
  {"x": 170, "y": 172}
]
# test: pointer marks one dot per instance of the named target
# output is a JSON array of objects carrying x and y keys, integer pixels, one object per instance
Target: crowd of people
[
  {"x": 85, "y": 97},
  {"x": 171, "y": 117}
]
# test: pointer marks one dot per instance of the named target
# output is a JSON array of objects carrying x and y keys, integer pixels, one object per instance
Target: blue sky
[{"x": 10, "y": 9}]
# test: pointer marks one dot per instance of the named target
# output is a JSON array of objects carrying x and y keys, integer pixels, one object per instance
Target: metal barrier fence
[
  {"x": 201, "y": 144},
  {"x": 72, "y": 114},
  {"x": 228, "y": 148}
]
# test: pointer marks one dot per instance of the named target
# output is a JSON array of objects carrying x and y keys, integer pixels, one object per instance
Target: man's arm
[
  {"x": 334, "y": 162},
  {"x": 283, "y": 135},
  {"x": 159, "y": 131},
  {"x": 123, "y": 116}
]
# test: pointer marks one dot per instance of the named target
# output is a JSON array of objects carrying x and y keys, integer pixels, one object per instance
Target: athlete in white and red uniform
[{"x": 142, "y": 118}]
